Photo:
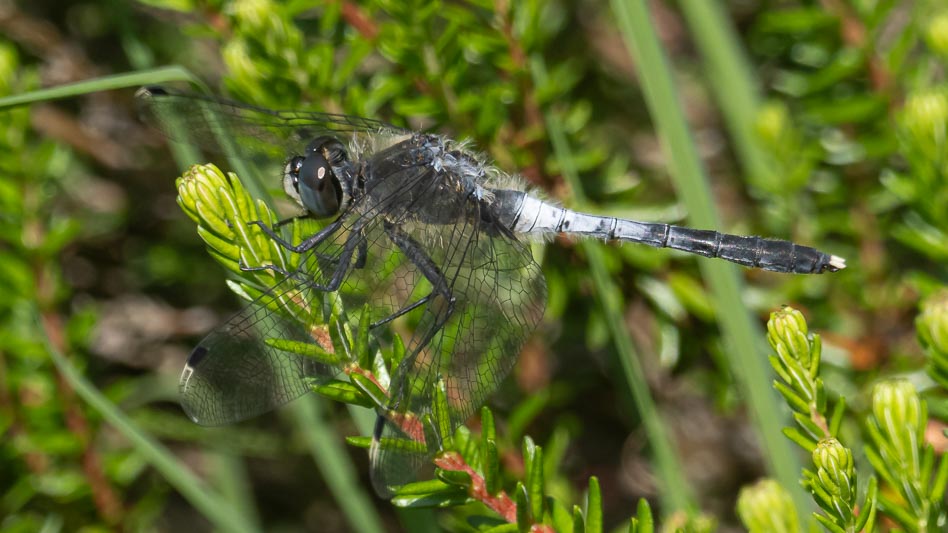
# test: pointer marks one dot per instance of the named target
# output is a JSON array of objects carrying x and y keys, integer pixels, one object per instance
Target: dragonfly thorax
[{"x": 313, "y": 178}]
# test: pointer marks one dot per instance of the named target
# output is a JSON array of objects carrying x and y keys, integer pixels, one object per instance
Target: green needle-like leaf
[
  {"x": 594, "y": 522},
  {"x": 490, "y": 457},
  {"x": 369, "y": 388},
  {"x": 305, "y": 348},
  {"x": 442, "y": 415},
  {"x": 533, "y": 458},
  {"x": 524, "y": 520},
  {"x": 343, "y": 391},
  {"x": 455, "y": 477},
  {"x": 579, "y": 521},
  {"x": 642, "y": 522}
]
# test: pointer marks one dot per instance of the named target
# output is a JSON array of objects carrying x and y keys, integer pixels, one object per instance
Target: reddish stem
[
  {"x": 358, "y": 20},
  {"x": 499, "y": 503},
  {"x": 854, "y": 34},
  {"x": 106, "y": 501}
]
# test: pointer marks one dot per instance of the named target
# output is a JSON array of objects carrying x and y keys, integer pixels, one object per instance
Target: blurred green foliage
[
  {"x": 850, "y": 123},
  {"x": 894, "y": 436}
]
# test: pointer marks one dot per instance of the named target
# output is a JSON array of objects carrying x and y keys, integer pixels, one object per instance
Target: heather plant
[{"x": 644, "y": 401}]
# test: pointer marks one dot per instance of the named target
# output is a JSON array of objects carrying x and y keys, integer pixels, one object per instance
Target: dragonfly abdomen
[
  {"x": 751, "y": 251},
  {"x": 758, "y": 252},
  {"x": 528, "y": 215}
]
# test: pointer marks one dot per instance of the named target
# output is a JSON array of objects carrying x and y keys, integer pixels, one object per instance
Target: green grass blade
[
  {"x": 670, "y": 472},
  {"x": 334, "y": 464},
  {"x": 742, "y": 338},
  {"x": 732, "y": 84},
  {"x": 229, "y": 474},
  {"x": 209, "y": 504},
  {"x": 105, "y": 83}
]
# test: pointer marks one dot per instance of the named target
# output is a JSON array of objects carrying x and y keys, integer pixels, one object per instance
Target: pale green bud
[
  {"x": 771, "y": 122},
  {"x": 9, "y": 62},
  {"x": 766, "y": 507},
  {"x": 252, "y": 13},
  {"x": 835, "y": 470},
  {"x": 936, "y": 34},
  {"x": 787, "y": 334},
  {"x": 896, "y": 405},
  {"x": 932, "y": 323},
  {"x": 829, "y": 454},
  {"x": 237, "y": 58},
  {"x": 924, "y": 122}
]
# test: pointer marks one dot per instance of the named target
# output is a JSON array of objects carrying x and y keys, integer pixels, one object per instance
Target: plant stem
[{"x": 742, "y": 339}]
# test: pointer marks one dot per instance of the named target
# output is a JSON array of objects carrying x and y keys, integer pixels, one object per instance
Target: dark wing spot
[{"x": 196, "y": 356}]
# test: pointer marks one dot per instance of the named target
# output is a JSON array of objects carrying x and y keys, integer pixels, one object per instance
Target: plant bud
[
  {"x": 932, "y": 323},
  {"x": 787, "y": 334},
  {"x": 936, "y": 35},
  {"x": 772, "y": 120},
  {"x": 897, "y": 401},
  {"x": 924, "y": 122},
  {"x": 835, "y": 470},
  {"x": 766, "y": 507}
]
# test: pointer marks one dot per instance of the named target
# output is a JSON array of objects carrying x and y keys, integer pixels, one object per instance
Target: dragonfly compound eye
[{"x": 317, "y": 185}]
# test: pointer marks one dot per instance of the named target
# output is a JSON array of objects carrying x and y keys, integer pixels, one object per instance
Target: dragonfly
[{"x": 420, "y": 228}]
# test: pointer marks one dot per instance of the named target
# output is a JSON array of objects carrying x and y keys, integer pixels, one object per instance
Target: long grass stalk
[
  {"x": 104, "y": 83},
  {"x": 743, "y": 339},
  {"x": 334, "y": 464},
  {"x": 732, "y": 84},
  {"x": 228, "y": 472},
  {"x": 738, "y": 96},
  {"x": 675, "y": 487},
  {"x": 215, "y": 508}
]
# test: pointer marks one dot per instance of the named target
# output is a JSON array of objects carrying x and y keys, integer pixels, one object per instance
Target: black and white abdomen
[{"x": 525, "y": 214}]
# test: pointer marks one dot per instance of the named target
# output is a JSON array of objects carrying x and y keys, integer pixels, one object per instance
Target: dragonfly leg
[
  {"x": 356, "y": 240},
  {"x": 440, "y": 314},
  {"x": 404, "y": 310},
  {"x": 308, "y": 244},
  {"x": 362, "y": 252},
  {"x": 285, "y": 221},
  {"x": 411, "y": 307},
  {"x": 297, "y": 275},
  {"x": 274, "y": 268},
  {"x": 414, "y": 252},
  {"x": 344, "y": 259}
]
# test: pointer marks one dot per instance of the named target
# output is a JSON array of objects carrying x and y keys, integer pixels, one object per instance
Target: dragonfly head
[{"x": 312, "y": 179}]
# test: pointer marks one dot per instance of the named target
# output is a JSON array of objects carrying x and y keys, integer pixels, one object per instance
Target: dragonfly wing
[
  {"x": 201, "y": 118},
  {"x": 467, "y": 338},
  {"x": 239, "y": 371},
  {"x": 258, "y": 137},
  {"x": 243, "y": 368}
]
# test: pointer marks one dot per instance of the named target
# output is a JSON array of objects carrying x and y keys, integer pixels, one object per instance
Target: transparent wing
[
  {"x": 421, "y": 246},
  {"x": 499, "y": 297},
  {"x": 203, "y": 119},
  {"x": 242, "y": 368},
  {"x": 238, "y": 371}
]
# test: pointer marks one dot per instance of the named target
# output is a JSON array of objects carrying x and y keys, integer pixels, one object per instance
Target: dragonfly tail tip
[{"x": 837, "y": 263}]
